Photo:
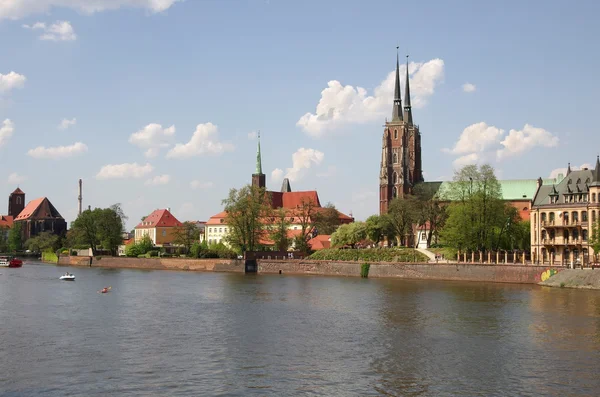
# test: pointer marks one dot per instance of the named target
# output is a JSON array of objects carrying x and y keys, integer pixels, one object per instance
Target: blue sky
[{"x": 224, "y": 69}]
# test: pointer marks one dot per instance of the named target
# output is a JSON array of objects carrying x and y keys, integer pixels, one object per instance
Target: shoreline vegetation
[{"x": 404, "y": 255}]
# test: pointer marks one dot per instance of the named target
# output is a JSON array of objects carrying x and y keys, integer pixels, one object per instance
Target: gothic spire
[
  {"x": 397, "y": 111},
  {"x": 258, "y": 159},
  {"x": 597, "y": 170},
  {"x": 407, "y": 107}
]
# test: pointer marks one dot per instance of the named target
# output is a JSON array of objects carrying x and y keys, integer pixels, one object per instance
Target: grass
[
  {"x": 364, "y": 270},
  {"x": 448, "y": 252},
  {"x": 370, "y": 255}
]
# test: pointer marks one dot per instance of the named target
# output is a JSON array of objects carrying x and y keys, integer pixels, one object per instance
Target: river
[{"x": 162, "y": 333}]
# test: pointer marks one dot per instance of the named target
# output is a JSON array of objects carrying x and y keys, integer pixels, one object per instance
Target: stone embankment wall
[
  {"x": 421, "y": 271},
  {"x": 210, "y": 265},
  {"x": 574, "y": 278},
  {"x": 417, "y": 271}
]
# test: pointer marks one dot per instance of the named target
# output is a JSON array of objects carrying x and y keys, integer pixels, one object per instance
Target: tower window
[
  {"x": 394, "y": 192},
  {"x": 394, "y": 178},
  {"x": 395, "y": 134},
  {"x": 18, "y": 199},
  {"x": 395, "y": 157}
]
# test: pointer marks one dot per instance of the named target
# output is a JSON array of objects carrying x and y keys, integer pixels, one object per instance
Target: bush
[
  {"x": 73, "y": 253},
  {"x": 152, "y": 253},
  {"x": 370, "y": 254},
  {"x": 364, "y": 270}
]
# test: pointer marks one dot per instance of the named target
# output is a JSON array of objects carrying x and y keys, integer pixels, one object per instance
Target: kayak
[{"x": 105, "y": 290}]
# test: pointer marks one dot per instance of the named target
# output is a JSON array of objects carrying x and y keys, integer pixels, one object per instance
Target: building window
[
  {"x": 593, "y": 197},
  {"x": 575, "y": 234},
  {"x": 575, "y": 216},
  {"x": 584, "y": 216},
  {"x": 552, "y": 234},
  {"x": 395, "y": 134},
  {"x": 584, "y": 235},
  {"x": 544, "y": 235},
  {"x": 552, "y": 217},
  {"x": 423, "y": 236},
  {"x": 18, "y": 199},
  {"x": 394, "y": 192},
  {"x": 220, "y": 230},
  {"x": 395, "y": 157},
  {"x": 543, "y": 217},
  {"x": 594, "y": 216},
  {"x": 394, "y": 178},
  {"x": 164, "y": 233}
]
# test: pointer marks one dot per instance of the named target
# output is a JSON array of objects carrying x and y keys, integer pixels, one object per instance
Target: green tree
[
  {"x": 378, "y": 227},
  {"x": 15, "y": 239},
  {"x": 279, "y": 231},
  {"x": 477, "y": 215},
  {"x": 45, "y": 241},
  {"x": 248, "y": 209},
  {"x": 101, "y": 226},
  {"x": 326, "y": 219},
  {"x": 145, "y": 244},
  {"x": 349, "y": 234},
  {"x": 186, "y": 235},
  {"x": 430, "y": 208},
  {"x": 403, "y": 214},
  {"x": 594, "y": 238}
]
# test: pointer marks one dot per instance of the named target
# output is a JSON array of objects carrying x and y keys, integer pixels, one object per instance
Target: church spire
[
  {"x": 407, "y": 107},
  {"x": 397, "y": 111},
  {"x": 258, "y": 158}
]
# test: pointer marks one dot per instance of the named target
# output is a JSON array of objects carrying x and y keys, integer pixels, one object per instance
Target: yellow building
[
  {"x": 562, "y": 218},
  {"x": 160, "y": 226}
]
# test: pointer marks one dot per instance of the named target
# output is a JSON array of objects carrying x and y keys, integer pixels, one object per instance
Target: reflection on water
[{"x": 184, "y": 333}]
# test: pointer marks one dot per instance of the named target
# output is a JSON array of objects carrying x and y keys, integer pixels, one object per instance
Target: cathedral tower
[
  {"x": 401, "y": 149},
  {"x": 258, "y": 178}
]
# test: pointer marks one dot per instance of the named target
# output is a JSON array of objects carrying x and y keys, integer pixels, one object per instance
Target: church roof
[
  {"x": 158, "y": 218},
  {"x": 39, "y": 209},
  {"x": 18, "y": 191},
  {"x": 6, "y": 221}
]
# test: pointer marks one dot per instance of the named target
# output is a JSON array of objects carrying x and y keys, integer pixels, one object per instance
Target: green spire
[{"x": 258, "y": 160}]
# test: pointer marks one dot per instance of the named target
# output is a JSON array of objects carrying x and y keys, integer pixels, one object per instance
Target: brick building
[
  {"x": 39, "y": 216},
  {"x": 160, "y": 226}
]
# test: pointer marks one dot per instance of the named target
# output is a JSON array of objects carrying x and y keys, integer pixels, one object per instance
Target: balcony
[{"x": 548, "y": 241}]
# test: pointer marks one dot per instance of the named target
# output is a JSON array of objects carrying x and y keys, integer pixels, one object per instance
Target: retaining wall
[{"x": 528, "y": 274}]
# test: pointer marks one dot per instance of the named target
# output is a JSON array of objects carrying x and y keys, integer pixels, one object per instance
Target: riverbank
[
  {"x": 524, "y": 274},
  {"x": 574, "y": 278}
]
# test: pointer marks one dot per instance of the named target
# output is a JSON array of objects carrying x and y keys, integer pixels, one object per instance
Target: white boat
[
  {"x": 4, "y": 261},
  {"x": 67, "y": 277}
]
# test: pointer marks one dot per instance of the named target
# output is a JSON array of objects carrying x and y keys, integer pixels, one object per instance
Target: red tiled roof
[
  {"x": 6, "y": 221},
  {"x": 295, "y": 199},
  {"x": 159, "y": 218},
  {"x": 216, "y": 219},
  {"x": 40, "y": 208},
  {"x": 322, "y": 241},
  {"x": 128, "y": 241},
  {"x": 266, "y": 240}
]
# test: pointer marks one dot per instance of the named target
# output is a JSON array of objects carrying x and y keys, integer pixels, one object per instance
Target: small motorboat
[
  {"x": 15, "y": 262},
  {"x": 67, "y": 277},
  {"x": 4, "y": 261}
]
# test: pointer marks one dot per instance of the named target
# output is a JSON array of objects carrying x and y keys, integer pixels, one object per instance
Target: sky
[{"x": 157, "y": 103}]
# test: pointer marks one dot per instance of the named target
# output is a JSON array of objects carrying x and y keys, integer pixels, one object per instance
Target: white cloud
[
  {"x": 195, "y": 184},
  {"x": 331, "y": 171},
  {"x": 124, "y": 171},
  {"x": 480, "y": 142},
  {"x": 15, "y": 179},
  {"x": 158, "y": 180},
  {"x": 252, "y": 135},
  {"x": 555, "y": 172},
  {"x": 277, "y": 175},
  {"x": 153, "y": 138},
  {"x": 521, "y": 141},
  {"x": 340, "y": 105},
  {"x": 478, "y": 138},
  {"x": 6, "y": 130},
  {"x": 58, "y": 31},
  {"x": 302, "y": 160},
  {"x": 205, "y": 140},
  {"x": 65, "y": 123},
  {"x": 58, "y": 152},
  {"x": 468, "y": 87},
  {"x": 11, "y": 81},
  {"x": 15, "y": 9}
]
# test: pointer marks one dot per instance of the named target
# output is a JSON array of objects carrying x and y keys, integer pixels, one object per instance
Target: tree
[
  {"x": 15, "y": 239},
  {"x": 248, "y": 209},
  {"x": 186, "y": 235},
  {"x": 478, "y": 215},
  {"x": 279, "y": 231},
  {"x": 349, "y": 234},
  {"x": 326, "y": 219},
  {"x": 431, "y": 210},
  {"x": 45, "y": 241},
  {"x": 100, "y": 227},
  {"x": 378, "y": 227},
  {"x": 402, "y": 214},
  {"x": 594, "y": 239}
]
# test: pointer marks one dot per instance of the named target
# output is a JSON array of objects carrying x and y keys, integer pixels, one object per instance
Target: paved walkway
[{"x": 428, "y": 253}]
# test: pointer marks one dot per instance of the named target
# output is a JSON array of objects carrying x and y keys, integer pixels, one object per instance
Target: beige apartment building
[{"x": 562, "y": 218}]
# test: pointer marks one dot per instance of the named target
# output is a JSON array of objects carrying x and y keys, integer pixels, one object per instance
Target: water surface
[{"x": 163, "y": 333}]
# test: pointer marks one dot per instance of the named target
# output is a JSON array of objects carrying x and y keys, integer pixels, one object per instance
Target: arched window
[
  {"x": 552, "y": 217},
  {"x": 18, "y": 199},
  {"x": 543, "y": 217},
  {"x": 575, "y": 234},
  {"x": 394, "y": 178},
  {"x": 394, "y": 192},
  {"x": 552, "y": 234},
  {"x": 544, "y": 235},
  {"x": 584, "y": 235},
  {"x": 395, "y": 134},
  {"x": 575, "y": 216},
  {"x": 566, "y": 235},
  {"x": 395, "y": 158},
  {"x": 593, "y": 197},
  {"x": 594, "y": 216},
  {"x": 584, "y": 216}
]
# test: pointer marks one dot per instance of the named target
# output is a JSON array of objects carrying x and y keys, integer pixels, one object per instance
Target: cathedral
[{"x": 401, "y": 149}]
